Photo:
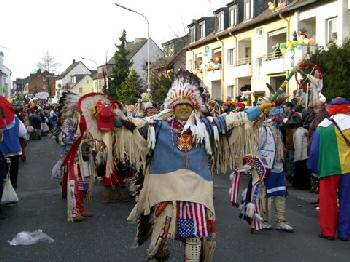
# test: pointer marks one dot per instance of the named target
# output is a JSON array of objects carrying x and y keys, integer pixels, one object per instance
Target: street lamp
[
  {"x": 84, "y": 58},
  {"x": 148, "y": 64}
]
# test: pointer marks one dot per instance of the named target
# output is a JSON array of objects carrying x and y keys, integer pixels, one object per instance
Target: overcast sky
[{"x": 87, "y": 28}]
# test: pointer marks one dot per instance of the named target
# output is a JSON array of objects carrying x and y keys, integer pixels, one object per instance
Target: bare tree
[{"x": 48, "y": 63}]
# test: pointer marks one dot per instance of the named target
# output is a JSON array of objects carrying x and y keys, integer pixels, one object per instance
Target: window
[
  {"x": 248, "y": 8},
  {"x": 230, "y": 56},
  {"x": 190, "y": 64},
  {"x": 201, "y": 30},
  {"x": 80, "y": 90},
  {"x": 230, "y": 91},
  {"x": 193, "y": 34},
  {"x": 233, "y": 15},
  {"x": 259, "y": 65},
  {"x": 332, "y": 32},
  {"x": 259, "y": 31},
  {"x": 221, "y": 21}
]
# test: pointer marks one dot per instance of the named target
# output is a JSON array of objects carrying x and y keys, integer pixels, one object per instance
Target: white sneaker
[
  {"x": 266, "y": 226},
  {"x": 285, "y": 227}
]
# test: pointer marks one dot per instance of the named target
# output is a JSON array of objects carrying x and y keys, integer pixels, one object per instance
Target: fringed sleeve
[
  {"x": 238, "y": 137},
  {"x": 132, "y": 145}
]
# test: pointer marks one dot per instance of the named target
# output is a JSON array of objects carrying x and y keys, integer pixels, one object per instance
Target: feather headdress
[
  {"x": 186, "y": 89},
  {"x": 86, "y": 106},
  {"x": 68, "y": 104}
]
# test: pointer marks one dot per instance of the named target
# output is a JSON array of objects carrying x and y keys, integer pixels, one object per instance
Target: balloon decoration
[
  {"x": 276, "y": 6},
  {"x": 299, "y": 41}
]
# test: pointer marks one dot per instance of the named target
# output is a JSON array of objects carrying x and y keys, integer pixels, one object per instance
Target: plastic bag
[
  {"x": 30, "y": 238},
  {"x": 9, "y": 194},
  {"x": 30, "y": 129},
  {"x": 57, "y": 171}
]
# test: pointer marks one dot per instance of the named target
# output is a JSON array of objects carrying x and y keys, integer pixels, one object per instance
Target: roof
[
  {"x": 132, "y": 47},
  {"x": 165, "y": 61},
  {"x": 220, "y": 10},
  {"x": 194, "y": 21},
  {"x": 93, "y": 74},
  {"x": 69, "y": 68},
  {"x": 261, "y": 18}
]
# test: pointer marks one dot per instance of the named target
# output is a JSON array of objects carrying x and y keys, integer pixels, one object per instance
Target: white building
[
  {"x": 5, "y": 78},
  {"x": 326, "y": 23},
  {"x": 66, "y": 80},
  {"x": 138, "y": 54}
]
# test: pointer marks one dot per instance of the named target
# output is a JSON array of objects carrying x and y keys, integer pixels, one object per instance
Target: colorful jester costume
[{"x": 329, "y": 158}]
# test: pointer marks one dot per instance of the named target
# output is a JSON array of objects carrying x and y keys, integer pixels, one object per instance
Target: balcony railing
[
  {"x": 273, "y": 56},
  {"x": 243, "y": 61}
]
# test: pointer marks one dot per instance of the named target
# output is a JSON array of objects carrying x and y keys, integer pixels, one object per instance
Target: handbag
[{"x": 9, "y": 194}]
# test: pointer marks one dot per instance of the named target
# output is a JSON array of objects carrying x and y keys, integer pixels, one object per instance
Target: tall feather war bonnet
[{"x": 187, "y": 88}]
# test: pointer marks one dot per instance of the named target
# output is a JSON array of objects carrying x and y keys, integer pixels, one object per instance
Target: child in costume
[
  {"x": 329, "y": 158},
  {"x": 270, "y": 151}
]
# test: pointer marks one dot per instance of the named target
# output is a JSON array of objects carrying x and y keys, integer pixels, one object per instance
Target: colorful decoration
[{"x": 276, "y": 5}]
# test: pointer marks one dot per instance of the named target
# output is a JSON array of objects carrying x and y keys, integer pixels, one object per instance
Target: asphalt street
[{"x": 108, "y": 237}]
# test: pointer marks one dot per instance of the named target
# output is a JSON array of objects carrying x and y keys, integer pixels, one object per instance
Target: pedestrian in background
[{"x": 301, "y": 178}]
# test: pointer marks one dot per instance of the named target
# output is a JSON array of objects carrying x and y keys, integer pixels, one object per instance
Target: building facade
[
  {"x": 242, "y": 56},
  {"x": 5, "y": 78},
  {"x": 68, "y": 78}
]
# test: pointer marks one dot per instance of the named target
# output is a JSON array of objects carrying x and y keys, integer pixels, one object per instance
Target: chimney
[
  {"x": 138, "y": 40},
  {"x": 73, "y": 61}
]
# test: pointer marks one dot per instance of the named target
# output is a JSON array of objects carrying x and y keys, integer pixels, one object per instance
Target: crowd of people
[
  {"x": 167, "y": 155},
  {"x": 21, "y": 122}
]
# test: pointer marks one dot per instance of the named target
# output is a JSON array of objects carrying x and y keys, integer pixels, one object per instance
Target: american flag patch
[
  {"x": 236, "y": 177},
  {"x": 196, "y": 213}
]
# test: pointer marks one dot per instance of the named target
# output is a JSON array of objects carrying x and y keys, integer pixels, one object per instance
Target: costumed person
[
  {"x": 77, "y": 162},
  {"x": 271, "y": 153},
  {"x": 320, "y": 114},
  {"x": 10, "y": 146},
  {"x": 99, "y": 112},
  {"x": 252, "y": 200},
  {"x": 179, "y": 150},
  {"x": 329, "y": 158}
]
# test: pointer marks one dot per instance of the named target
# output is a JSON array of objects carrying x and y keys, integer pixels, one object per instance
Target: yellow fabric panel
[{"x": 344, "y": 151}]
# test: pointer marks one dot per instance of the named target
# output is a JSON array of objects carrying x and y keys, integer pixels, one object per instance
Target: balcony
[
  {"x": 242, "y": 68},
  {"x": 214, "y": 75},
  {"x": 273, "y": 63}
]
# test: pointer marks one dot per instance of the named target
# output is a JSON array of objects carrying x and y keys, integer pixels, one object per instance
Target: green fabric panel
[{"x": 328, "y": 162}]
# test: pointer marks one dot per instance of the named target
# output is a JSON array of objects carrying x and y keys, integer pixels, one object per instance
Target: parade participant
[
  {"x": 77, "y": 163},
  {"x": 329, "y": 158},
  {"x": 10, "y": 145},
  {"x": 320, "y": 114},
  {"x": 176, "y": 196},
  {"x": 252, "y": 197},
  {"x": 271, "y": 153}
]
